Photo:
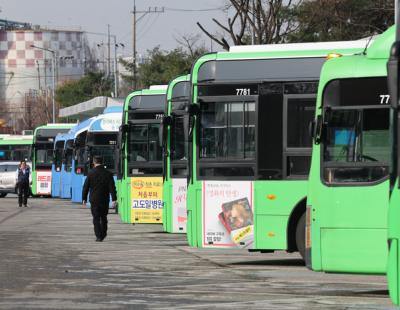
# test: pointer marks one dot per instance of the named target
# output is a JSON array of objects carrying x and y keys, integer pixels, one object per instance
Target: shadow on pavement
[{"x": 272, "y": 262}]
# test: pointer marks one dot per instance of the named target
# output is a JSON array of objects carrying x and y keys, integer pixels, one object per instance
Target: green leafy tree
[
  {"x": 333, "y": 20},
  {"x": 91, "y": 85},
  {"x": 162, "y": 66}
]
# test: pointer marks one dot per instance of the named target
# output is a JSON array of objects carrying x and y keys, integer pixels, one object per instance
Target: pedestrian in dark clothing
[
  {"x": 22, "y": 176},
  {"x": 100, "y": 184}
]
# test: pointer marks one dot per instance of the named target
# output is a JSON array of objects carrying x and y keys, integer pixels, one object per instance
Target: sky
[{"x": 94, "y": 15}]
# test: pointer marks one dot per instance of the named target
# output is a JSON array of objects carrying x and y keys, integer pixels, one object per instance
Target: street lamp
[{"x": 53, "y": 54}]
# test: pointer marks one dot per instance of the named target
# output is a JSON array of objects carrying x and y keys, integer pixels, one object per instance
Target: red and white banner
[
  {"x": 43, "y": 182},
  {"x": 228, "y": 214},
  {"x": 179, "y": 212}
]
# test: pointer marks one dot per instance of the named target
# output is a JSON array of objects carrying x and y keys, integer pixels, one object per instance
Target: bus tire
[
  {"x": 301, "y": 235},
  {"x": 2, "y": 195}
]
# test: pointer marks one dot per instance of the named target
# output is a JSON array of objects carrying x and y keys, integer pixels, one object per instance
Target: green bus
[
  {"x": 175, "y": 144},
  {"x": 140, "y": 167},
  {"x": 393, "y": 268},
  {"x": 348, "y": 197},
  {"x": 42, "y": 156},
  {"x": 251, "y": 148},
  {"x": 15, "y": 147}
]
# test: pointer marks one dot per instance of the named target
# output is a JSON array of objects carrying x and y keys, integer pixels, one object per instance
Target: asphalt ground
[{"x": 49, "y": 260}]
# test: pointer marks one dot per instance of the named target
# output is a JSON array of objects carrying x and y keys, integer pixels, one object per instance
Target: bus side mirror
[
  {"x": 162, "y": 132},
  {"x": 393, "y": 73},
  {"x": 192, "y": 109},
  {"x": 317, "y": 129}
]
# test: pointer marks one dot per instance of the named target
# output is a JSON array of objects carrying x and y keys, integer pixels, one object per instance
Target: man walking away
[
  {"x": 100, "y": 184},
  {"x": 22, "y": 177}
]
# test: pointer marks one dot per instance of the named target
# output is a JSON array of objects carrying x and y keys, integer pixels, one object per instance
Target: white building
[{"x": 27, "y": 72}]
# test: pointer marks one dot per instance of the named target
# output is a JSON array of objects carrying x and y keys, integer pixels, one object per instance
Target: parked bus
[
  {"x": 58, "y": 154},
  {"x": 42, "y": 156},
  {"x": 251, "y": 147},
  {"x": 67, "y": 165},
  {"x": 348, "y": 196},
  {"x": 176, "y": 159},
  {"x": 15, "y": 147},
  {"x": 79, "y": 159},
  {"x": 393, "y": 268},
  {"x": 101, "y": 139},
  {"x": 141, "y": 168}
]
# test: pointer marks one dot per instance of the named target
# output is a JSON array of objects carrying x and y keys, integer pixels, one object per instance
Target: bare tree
[
  {"x": 268, "y": 21},
  {"x": 192, "y": 44}
]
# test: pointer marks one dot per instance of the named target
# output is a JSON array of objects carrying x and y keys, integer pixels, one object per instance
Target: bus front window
[
  {"x": 143, "y": 143},
  {"x": 227, "y": 133},
  {"x": 44, "y": 156},
  {"x": 179, "y": 146},
  {"x": 357, "y": 143},
  {"x": 107, "y": 153},
  {"x": 58, "y": 155}
]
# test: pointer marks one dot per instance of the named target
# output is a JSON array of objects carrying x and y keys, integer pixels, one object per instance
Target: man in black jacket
[
  {"x": 22, "y": 176},
  {"x": 100, "y": 184}
]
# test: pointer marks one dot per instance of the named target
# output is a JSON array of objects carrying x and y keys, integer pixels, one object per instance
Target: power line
[{"x": 192, "y": 10}]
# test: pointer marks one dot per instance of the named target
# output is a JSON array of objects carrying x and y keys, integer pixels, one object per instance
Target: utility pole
[
  {"x": 253, "y": 37},
  {"x": 38, "y": 73},
  {"x": 108, "y": 51},
  {"x": 135, "y": 21},
  {"x": 115, "y": 68}
]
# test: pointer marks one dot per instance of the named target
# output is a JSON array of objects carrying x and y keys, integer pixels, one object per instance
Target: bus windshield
[
  {"x": 357, "y": 142},
  {"x": 103, "y": 144},
  {"x": 227, "y": 130},
  {"x": 179, "y": 147},
  {"x": 44, "y": 155},
  {"x": 68, "y": 155},
  {"x": 143, "y": 144},
  {"x": 107, "y": 153},
  {"x": 58, "y": 155},
  {"x": 80, "y": 152},
  {"x": 14, "y": 152}
]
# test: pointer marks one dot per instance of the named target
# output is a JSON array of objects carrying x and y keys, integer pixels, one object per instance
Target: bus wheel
[
  {"x": 2, "y": 195},
  {"x": 301, "y": 235}
]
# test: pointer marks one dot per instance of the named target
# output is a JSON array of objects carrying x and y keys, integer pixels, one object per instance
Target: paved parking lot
[{"x": 49, "y": 260}]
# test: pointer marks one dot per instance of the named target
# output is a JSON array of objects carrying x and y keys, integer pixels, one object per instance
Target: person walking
[
  {"x": 22, "y": 177},
  {"x": 100, "y": 184}
]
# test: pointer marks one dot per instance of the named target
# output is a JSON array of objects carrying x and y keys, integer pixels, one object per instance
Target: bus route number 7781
[{"x": 242, "y": 91}]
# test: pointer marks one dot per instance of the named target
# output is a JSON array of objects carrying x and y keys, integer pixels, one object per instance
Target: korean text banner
[
  {"x": 228, "y": 214},
  {"x": 147, "y": 199}
]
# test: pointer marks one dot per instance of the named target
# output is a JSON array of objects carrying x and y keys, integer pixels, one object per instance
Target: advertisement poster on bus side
[
  {"x": 147, "y": 199},
  {"x": 43, "y": 182},
  {"x": 179, "y": 212},
  {"x": 228, "y": 219}
]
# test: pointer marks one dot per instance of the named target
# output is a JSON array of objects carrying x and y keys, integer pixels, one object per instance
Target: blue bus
[
  {"x": 101, "y": 139},
  {"x": 65, "y": 191},
  {"x": 79, "y": 159},
  {"x": 58, "y": 154}
]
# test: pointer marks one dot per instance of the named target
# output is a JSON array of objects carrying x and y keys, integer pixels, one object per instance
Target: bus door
[
  {"x": 226, "y": 165},
  {"x": 145, "y": 168},
  {"x": 393, "y": 266},
  {"x": 355, "y": 157}
]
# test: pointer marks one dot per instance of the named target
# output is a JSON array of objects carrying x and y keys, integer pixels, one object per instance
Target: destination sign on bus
[{"x": 228, "y": 90}]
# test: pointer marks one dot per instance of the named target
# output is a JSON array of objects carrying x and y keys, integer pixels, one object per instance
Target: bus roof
[
  {"x": 81, "y": 127},
  {"x": 370, "y": 64},
  {"x": 54, "y": 126},
  {"x": 158, "y": 87},
  {"x": 114, "y": 109},
  {"x": 16, "y": 139},
  {"x": 106, "y": 122},
  {"x": 144, "y": 92},
  {"x": 312, "y": 46}
]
